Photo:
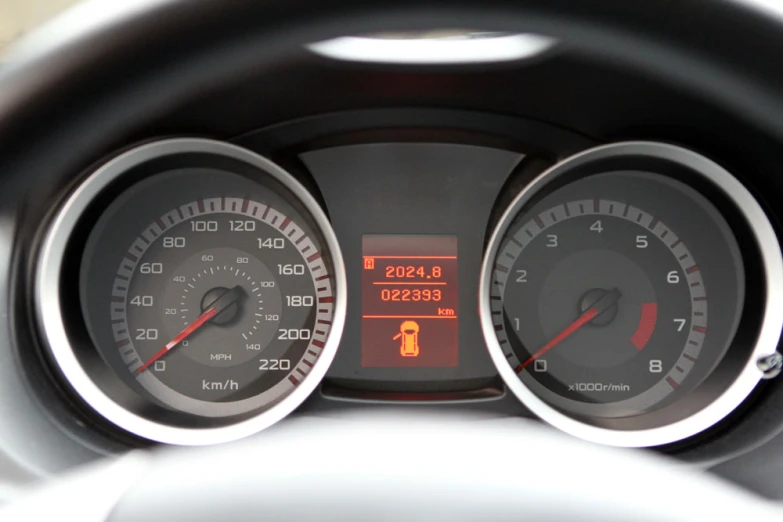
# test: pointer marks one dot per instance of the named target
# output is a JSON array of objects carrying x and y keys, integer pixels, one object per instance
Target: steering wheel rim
[
  {"x": 123, "y": 85},
  {"x": 394, "y": 466}
]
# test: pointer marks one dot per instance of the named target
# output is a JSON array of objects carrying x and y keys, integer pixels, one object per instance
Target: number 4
[{"x": 597, "y": 227}]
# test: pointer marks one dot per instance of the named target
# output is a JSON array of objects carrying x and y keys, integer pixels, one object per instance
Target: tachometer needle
[
  {"x": 218, "y": 306},
  {"x": 600, "y": 306}
]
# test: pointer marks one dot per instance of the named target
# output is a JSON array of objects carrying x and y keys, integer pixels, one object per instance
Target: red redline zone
[{"x": 647, "y": 321}]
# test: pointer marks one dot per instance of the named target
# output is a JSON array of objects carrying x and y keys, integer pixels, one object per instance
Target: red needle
[
  {"x": 583, "y": 319},
  {"x": 603, "y": 304},
  {"x": 192, "y": 327}
]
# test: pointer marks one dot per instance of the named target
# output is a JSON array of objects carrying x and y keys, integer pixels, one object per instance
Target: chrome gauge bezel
[
  {"x": 51, "y": 315},
  {"x": 766, "y": 341}
]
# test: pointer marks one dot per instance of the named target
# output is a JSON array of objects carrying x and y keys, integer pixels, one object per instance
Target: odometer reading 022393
[{"x": 214, "y": 292}]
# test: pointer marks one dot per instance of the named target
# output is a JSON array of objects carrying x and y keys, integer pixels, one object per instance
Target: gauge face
[
  {"x": 604, "y": 307},
  {"x": 612, "y": 291},
  {"x": 221, "y": 306},
  {"x": 212, "y": 292}
]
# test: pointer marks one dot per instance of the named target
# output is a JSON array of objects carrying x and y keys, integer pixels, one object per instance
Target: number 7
[{"x": 681, "y": 323}]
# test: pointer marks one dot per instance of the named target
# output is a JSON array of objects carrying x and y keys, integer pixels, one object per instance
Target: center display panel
[{"x": 409, "y": 301}]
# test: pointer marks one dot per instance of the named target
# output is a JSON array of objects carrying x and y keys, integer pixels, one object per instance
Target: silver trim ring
[
  {"x": 769, "y": 333},
  {"x": 50, "y": 317}
]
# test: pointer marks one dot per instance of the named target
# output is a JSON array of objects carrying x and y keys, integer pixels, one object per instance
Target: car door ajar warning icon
[{"x": 409, "y": 333}]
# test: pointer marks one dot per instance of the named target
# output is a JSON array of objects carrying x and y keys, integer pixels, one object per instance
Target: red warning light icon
[{"x": 409, "y": 333}]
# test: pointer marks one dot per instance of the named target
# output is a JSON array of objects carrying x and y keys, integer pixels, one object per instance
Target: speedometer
[
  {"x": 220, "y": 306},
  {"x": 211, "y": 287}
]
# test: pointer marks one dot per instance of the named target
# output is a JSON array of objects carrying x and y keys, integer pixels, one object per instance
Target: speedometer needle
[
  {"x": 599, "y": 307},
  {"x": 215, "y": 308}
]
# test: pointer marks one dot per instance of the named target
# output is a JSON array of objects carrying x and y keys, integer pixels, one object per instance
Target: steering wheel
[
  {"x": 391, "y": 467},
  {"x": 83, "y": 85}
]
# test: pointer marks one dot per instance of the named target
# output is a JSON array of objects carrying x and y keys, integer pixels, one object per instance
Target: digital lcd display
[{"x": 409, "y": 301}]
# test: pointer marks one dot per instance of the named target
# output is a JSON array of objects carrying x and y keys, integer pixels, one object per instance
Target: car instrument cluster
[{"x": 192, "y": 291}]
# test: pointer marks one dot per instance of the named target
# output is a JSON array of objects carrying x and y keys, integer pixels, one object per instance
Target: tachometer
[
  {"x": 621, "y": 305},
  {"x": 212, "y": 288}
]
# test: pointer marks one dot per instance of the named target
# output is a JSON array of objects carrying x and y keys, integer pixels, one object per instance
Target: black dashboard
[{"x": 561, "y": 239}]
